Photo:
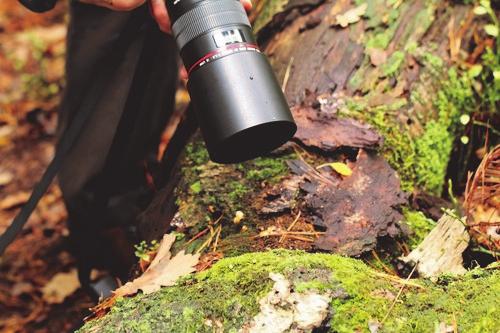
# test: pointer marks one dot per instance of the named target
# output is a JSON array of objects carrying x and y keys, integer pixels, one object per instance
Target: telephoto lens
[{"x": 239, "y": 104}]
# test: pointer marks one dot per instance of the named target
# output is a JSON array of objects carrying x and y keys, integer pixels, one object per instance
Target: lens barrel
[{"x": 239, "y": 104}]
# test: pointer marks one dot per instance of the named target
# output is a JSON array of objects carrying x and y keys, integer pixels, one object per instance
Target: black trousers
[{"x": 102, "y": 178}]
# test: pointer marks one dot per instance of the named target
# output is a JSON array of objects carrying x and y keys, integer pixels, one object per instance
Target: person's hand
[
  {"x": 158, "y": 8},
  {"x": 118, "y": 5}
]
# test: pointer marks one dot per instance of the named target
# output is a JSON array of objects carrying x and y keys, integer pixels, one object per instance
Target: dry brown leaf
[
  {"x": 164, "y": 271},
  {"x": 5, "y": 177},
  {"x": 351, "y": 16},
  {"x": 14, "y": 200},
  {"x": 61, "y": 286}
]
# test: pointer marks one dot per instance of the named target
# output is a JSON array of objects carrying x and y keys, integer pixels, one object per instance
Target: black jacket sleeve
[{"x": 38, "y": 6}]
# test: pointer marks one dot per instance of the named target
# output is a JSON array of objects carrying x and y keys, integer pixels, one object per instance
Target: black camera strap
[
  {"x": 92, "y": 96},
  {"x": 66, "y": 142}
]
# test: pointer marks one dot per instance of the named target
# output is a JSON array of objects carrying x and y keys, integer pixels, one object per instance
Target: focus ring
[{"x": 207, "y": 16}]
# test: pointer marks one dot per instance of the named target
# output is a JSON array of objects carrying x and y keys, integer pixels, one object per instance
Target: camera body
[{"x": 239, "y": 104}]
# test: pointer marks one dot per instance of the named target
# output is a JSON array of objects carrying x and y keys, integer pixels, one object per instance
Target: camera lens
[{"x": 239, "y": 104}]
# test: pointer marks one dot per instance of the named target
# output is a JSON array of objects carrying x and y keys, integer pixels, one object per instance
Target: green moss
[
  {"x": 380, "y": 40},
  {"x": 195, "y": 187},
  {"x": 398, "y": 145},
  {"x": 315, "y": 285},
  {"x": 237, "y": 192},
  {"x": 392, "y": 65},
  {"x": 269, "y": 169},
  {"x": 229, "y": 292},
  {"x": 420, "y": 226},
  {"x": 433, "y": 147},
  {"x": 267, "y": 9},
  {"x": 433, "y": 150},
  {"x": 421, "y": 156}
]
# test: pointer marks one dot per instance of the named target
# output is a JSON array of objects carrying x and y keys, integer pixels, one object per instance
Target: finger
[
  {"x": 120, "y": 5},
  {"x": 159, "y": 10},
  {"x": 247, "y": 4},
  {"x": 183, "y": 73}
]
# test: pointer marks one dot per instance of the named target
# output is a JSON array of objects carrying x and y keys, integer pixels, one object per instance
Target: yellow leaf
[
  {"x": 341, "y": 168},
  {"x": 60, "y": 286}
]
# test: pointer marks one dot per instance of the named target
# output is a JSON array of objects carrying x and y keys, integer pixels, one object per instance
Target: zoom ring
[{"x": 207, "y": 16}]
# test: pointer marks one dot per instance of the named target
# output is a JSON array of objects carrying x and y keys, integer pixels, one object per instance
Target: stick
[
  {"x": 399, "y": 293},
  {"x": 287, "y": 74},
  {"x": 398, "y": 280},
  {"x": 290, "y": 227}
]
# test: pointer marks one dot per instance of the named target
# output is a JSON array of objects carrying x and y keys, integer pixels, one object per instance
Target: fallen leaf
[
  {"x": 5, "y": 177},
  {"x": 61, "y": 286},
  {"x": 21, "y": 288},
  {"x": 14, "y": 200},
  {"x": 207, "y": 260},
  {"x": 341, "y": 168},
  {"x": 329, "y": 133},
  {"x": 164, "y": 271},
  {"x": 355, "y": 210},
  {"x": 351, "y": 16}
]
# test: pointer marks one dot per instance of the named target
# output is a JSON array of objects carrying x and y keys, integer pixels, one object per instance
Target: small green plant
[
  {"x": 484, "y": 8},
  {"x": 487, "y": 74},
  {"x": 143, "y": 250}
]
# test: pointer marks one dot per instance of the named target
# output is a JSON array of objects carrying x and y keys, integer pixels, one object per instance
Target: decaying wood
[
  {"x": 327, "y": 132},
  {"x": 326, "y": 66},
  {"x": 441, "y": 251},
  {"x": 357, "y": 209}
]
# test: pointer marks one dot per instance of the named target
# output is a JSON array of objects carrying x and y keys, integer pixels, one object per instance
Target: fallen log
[
  {"x": 379, "y": 74},
  {"x": 234, "y": 295},
  {"x": 381, "y": 86}
]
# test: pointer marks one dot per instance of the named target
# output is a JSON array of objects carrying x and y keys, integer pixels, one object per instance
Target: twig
[
  {"x": 311, "y": 233},
  {"x": 398, "y": 280},
  {"x": 305, "y": 239},
  {"x": 287, "y": 74},
  {"x": 218, "y": 231},
  {"x": 312, "y": 171},
  {"x": 399, "y": 293},
  {"x": 198, "y": 235},
  {"x": 204, "y": 231},
  {"x": 208, "y": 241},
  {"x": 282, "y": 238},
  {"x": 384, "y": 266}
]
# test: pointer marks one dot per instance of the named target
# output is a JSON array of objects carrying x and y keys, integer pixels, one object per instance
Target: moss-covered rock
[{"x": 229, "y": 292}]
